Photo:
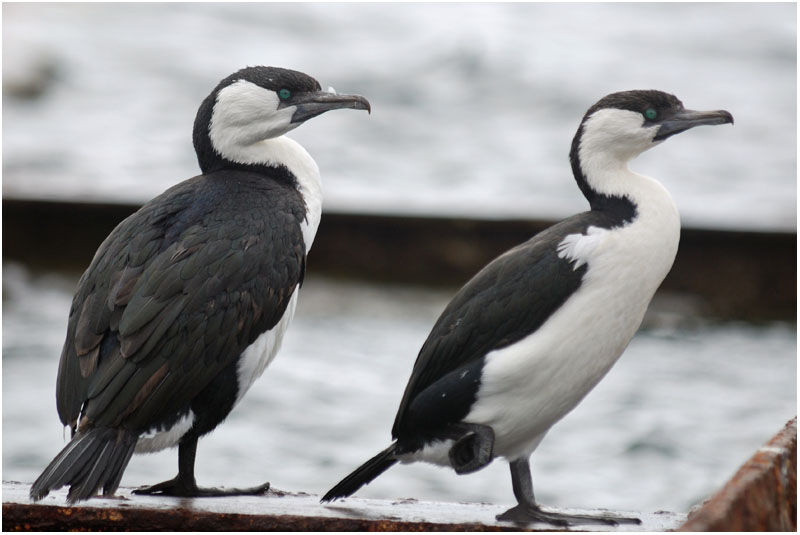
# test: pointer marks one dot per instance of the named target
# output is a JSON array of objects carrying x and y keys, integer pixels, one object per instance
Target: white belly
[
  {"x": 527, "y": 387},
  {"x": 152, "y": 442},
  {"x": 259, "y": 354}
]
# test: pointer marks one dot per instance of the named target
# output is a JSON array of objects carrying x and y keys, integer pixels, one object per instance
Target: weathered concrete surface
[
  {"x": 275, "y": 511},
  {"x": 762, "y": 496},
  {"x": 760, "y": 266}
]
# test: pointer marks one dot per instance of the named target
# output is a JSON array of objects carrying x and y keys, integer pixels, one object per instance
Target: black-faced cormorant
[
  {"x": 186, "y": 301},
  {"x": 536, "y": 329}
]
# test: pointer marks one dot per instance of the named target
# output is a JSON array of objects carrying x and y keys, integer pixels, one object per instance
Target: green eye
[
  {"x": 284, "y": 94},
  {"x": 650, "y": 113}
]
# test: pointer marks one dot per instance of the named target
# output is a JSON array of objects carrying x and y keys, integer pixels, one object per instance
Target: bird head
[
  {"x": 258, "y": 103},
  {"x": 622, "y": 125},
  {"x": 627, "y": 123}
]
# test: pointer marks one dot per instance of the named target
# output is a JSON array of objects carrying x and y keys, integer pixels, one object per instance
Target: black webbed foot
[
  {"x": 525, "y": 514},
  {"x": 473, "y": 450},
  {"x": 177, "y": 487},
  {"x": 183, "y": 485},
  {"x": 528, "y": 511}
]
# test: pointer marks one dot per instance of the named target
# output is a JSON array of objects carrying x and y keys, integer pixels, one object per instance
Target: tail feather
[
  {"x": 115, "y": 470},
  {"x": 92, "y": 459},
  {"x": 363, "y": 474},
  {"x": 92, "y": 481}
]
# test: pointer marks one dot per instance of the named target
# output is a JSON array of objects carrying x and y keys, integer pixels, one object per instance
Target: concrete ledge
[
  {"x": 275, "y": 511},
  {"x": 762, "y": 496}
]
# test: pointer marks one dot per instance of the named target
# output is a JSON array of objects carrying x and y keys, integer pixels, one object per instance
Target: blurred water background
[
  {"x": 474, "y": 107},
  {"x": 674, "y": 419}
]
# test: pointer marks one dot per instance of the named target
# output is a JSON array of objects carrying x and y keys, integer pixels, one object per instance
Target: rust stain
[
  {"x": 761, "y": 496},
  {"x": 32, "y": 517}
]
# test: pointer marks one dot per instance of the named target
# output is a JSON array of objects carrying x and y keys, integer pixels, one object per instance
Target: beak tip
[{"x": 728, "y": 116}]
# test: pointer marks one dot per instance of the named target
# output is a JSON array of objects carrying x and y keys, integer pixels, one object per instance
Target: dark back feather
[{"x": 175, "y": 293}]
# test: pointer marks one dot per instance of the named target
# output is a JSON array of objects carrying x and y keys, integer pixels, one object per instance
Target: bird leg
[
  {"x": 473, "y": 447},
  {"x": 184, "y": 484},
  {"x": 527, "y": 510}
]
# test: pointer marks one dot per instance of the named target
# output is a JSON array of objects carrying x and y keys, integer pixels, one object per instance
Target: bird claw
[
  {"x": 176, "y": 487},
  {"x": 526, "y": 514}
]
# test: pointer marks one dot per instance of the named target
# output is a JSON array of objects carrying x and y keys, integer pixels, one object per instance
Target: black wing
[
  {"x": 174, "y": 294},
  {"x": 507, "y": 300}
]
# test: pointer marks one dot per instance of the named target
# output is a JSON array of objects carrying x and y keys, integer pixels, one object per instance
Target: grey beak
[
  {"x": 312, "y": 104},
  {"x": 686, "y": 119}
]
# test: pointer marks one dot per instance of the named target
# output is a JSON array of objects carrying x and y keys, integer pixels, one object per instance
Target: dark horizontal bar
[{"x": 728, "y": 274}]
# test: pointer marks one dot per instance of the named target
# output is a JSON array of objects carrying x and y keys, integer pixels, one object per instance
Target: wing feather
[
  {"x": 174, "y": 294},
  {"x": 507, "y": 300}
]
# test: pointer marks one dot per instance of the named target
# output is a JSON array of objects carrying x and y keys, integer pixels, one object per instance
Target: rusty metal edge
[
  {"x": 36, "y": 517},
  {"x": 761, "y": 496}
]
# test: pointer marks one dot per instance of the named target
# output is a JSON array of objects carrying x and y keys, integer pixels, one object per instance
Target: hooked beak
[
  {"x": 310, "y": 105},
  {"x": 686, "y": 119}
]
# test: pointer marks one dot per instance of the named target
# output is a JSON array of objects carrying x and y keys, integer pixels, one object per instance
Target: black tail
[
  {"x": 363, "y": 474},
  {"x": 92, "y": 459}
]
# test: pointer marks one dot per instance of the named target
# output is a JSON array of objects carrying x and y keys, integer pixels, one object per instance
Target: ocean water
[
  {"x": 474, "y": 105},
  {"x": 671, "y": 422}
]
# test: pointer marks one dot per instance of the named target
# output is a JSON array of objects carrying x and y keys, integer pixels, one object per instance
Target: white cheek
[
  {"x": 611, "y": 138},
  {"x": 620, "y": 132},
  {"x": 244, "y": 114}
]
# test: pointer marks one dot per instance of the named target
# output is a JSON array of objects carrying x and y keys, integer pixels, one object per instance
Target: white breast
[{"x": 529, "y": 386}]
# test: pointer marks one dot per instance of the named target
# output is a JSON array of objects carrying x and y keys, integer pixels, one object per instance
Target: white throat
[
  {"x": 611, "y": 138},
  {"x": 248, "y": 126},
  {"x": 290, "y": 154}
]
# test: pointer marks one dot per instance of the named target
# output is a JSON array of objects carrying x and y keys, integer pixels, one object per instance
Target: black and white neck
[
  {"x": 240, "y": 126},
  {"x": 615, "y": 130}
]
